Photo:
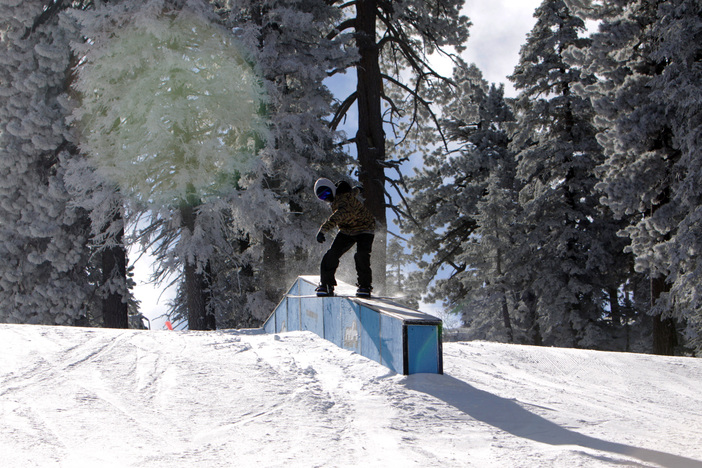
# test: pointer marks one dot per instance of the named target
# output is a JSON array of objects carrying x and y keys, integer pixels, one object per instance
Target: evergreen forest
[{"x": 192, "y": 132}]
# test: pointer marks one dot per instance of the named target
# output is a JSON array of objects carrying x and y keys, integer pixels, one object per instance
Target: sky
[
  {"x": 499, "y": 28},
  {"x": 78, "y": 397}
]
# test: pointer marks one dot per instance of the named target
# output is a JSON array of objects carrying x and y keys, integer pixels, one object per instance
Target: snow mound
[{"x": 74, "y": 397}]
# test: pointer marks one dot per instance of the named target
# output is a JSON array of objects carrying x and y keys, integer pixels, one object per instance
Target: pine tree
[
  {"x": 102, "y": 203},
  {"x": 42, "y": 236},
  {"x": 288, "y": 43},
  {"x": 455, "y": 221},
  {"x": 679, "y": 44},
  {"x": 647, "y": 55},
  {"x": 490, "y": 301},
  {"x": 393, "y": 40},
  {"x": 567, "y": 242},
  {"x": 171, "y": 114}
]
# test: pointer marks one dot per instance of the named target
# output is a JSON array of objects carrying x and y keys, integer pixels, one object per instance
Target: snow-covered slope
[{"x": 112, "y": 398}]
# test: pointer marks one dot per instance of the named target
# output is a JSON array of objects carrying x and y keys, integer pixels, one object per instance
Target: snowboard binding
[{"x": 324, "y": 290}]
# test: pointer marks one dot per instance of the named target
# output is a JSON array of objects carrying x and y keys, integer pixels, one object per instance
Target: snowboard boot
[
  {"x": 324, "y": 290},
  {"x": 363, "y": 292}
]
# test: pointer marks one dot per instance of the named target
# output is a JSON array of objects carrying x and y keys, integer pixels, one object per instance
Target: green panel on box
[{"x": 423, "y": 349}]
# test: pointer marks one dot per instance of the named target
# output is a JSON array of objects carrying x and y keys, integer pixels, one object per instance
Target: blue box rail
[{"x": 404, "y": 340}]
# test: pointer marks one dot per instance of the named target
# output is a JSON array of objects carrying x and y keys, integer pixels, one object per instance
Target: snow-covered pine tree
[
  {"x": 491, "y": 297},
  {"x": 172, "y": 114},
  {"x": 289, "y": 45},
  {"x": 394, "y": 40},
  {"x": 647, "y": 56},
  {"x": 103, "y": 204},
  {"x": 42, "y": 237},
  {"x": 108, "y": 269},
  {"x": 567, "y": 243},
  {"x": 454, "y": 220},
  {"x": 678, "y": 39}
]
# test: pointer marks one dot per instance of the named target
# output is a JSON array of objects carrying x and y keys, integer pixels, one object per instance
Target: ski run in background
[{"x": 72, "y": 397}]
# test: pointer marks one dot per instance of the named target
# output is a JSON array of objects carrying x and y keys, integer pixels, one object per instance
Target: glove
[{"x": 320, "y": 237}]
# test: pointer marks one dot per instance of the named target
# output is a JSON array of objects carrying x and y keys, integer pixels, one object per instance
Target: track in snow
[{"x": 86, "y": 397}]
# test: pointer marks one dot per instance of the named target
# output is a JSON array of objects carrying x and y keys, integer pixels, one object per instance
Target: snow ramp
[{"x": 406, "y": 341}]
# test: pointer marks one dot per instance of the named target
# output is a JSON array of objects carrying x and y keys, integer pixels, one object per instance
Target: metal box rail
[{"x": 404, "y": 340}]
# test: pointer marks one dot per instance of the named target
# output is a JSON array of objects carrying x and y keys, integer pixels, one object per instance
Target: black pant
[{"x": 342, "y": 243}]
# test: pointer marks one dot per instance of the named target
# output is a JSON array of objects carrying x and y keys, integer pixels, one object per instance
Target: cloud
[{"x": 498, "y": 32}]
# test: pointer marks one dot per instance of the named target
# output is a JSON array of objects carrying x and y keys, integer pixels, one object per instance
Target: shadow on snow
[{"x": 509, "y": 416}]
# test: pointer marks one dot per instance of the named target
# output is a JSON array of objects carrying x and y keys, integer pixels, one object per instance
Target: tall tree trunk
[
  {"x": 505, "y": 316},
  {"x": 196, "y": 282},
  {"x": 629, "y": 308},
  {"x": 665, "y": 337},
  {"x": 370, "y": 138},
  {"x": 503, "y": 293},
  {"x": 664, "y": 334},
  {"x": 114, "y": 268},
  {"x": 273, "y": 275},
  {"x": 531, "y": 319},
  {"x": 615, "y": 310}
]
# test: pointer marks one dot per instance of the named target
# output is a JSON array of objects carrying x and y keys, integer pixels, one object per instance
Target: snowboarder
[{"x": 356, "y": 226}]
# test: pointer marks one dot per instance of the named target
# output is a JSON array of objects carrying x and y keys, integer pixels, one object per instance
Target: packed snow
[{"x": 72, "y": 397}]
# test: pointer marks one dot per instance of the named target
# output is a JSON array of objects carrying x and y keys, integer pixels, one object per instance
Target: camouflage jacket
[{"x": 349, "y": 215}]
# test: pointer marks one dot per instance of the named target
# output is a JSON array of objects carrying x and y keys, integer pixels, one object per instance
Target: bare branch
[
  {"x": 427, "y": 105},
  {"x": 343, "y": 109},
  {"x": 343, "y": 5},
  {"x": 348, "y": 24},
  {"x": 403, "y": 199},
  {"x": 397, "y": 235},
  {"x": 399, "y": 37},
  {"x": 393, "y": 107}
]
